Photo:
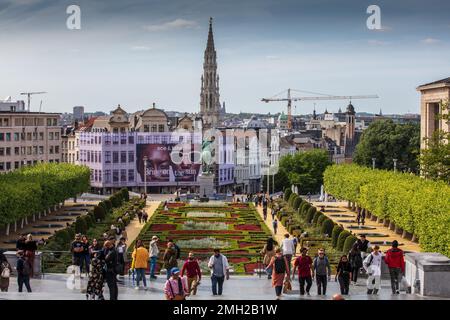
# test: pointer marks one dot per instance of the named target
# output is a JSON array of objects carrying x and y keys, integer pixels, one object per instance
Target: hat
[
  {"x": 174, "y": 270},
  {"x": 154, "y": 237}
]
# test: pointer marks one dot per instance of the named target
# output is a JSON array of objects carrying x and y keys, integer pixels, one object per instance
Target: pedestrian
[
  {"x": 219, "y": 266},
  {"x": 356, "y": 262},
  {"x": 193, "y": 273},
  {"x": 86, "y": 257},
  {"x": 77, "y": 249},
  {"x": 287, "y": 245},
  {"x": 265, "y": 213},
  {"x": 145, "y": 197},
  {"x": 5, "y": 273},
  {"x": 396, "y": 264},
  {"x": 154, "y": 252},
  {"x": 275, "y": 226},
  {"x": 94, "y": 288},
  {"x": 170, "y": 258},
  {"x": 177, "y": 248},
  {"x": 140, "y": 258},
  {"x": 121, "y": 255},
  {"x": 124, "y": 235},
  {"x": 268, "y": 253},
  {"x": 145, "y": 216},
  {"x": 111, "y": 269},
  {"x": 344, "y": 274},
  {"x": 304, "y": 265},
  {"x": 273, "y": 212},
  {"x": 176, "y": 287},
  {"x": 322, "y": 271},
  {"x": 363, "y": 245},
  {"x": 30, "y": 251},
  {"x": 94, "y": 248},
  {"x": 166, "y": 208},
  {"x": 372, "y": 265},
  {"x": 139, "y": 214},
  {"x": 23, "y": 268},
  {"x": 295, "y": 242},
  {"x": 280, "y": 271},
  {"x": 20, "y": 243}
]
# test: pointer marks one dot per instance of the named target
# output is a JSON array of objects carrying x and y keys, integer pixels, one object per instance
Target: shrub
[
  {"x": 306, "y": 208},
  {"x": 89, "y": 221},
  {"x": 80, "y": 225},
  {"x": 99, "y": 213},
  {"x": 310, "y": 214},
  {"x": 349, "y": 242},
  {"x": 341, "y": 240},
  {"x": 297, "y": 203},
  {"x": 104, "y": 207},
  {"x": 316, "y": 217},
  {"x": 125, "y": 194},
  {"x": 291, "y": 199},
  {"x": 62, "y": 237},
  {"x": 321, "y": 219},
  {"x": 335, "y": 234},
  {"x": 327, "y": 227},
  {"x": 300, "y": 208},
  {"x": 108, "y": 205},
  {"x": 287, "y": 194}
]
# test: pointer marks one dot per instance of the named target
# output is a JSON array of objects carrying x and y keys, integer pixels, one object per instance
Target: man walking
[
  {"x": 288, "y": 249},
  {"x": 363, "y": 245},
  {"x": 77, "y": 249},
  {"x": 23, "y": 268},
  {"x": 275, "y": 226},
  {"x": 154, "y": 252},
  {"x": 304, "y": 265},
  {"x": 219, "y": 266},
  {"x": 322, "y": 271},
  {"x": 111, "y": 269},
  {"x": 372, "y": 265},
  {"x": 396, "y": 263},
  {"x": 193, "y": 273}
]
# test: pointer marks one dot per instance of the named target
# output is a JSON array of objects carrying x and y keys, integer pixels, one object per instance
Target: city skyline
[{"x": 141, "y": 52}]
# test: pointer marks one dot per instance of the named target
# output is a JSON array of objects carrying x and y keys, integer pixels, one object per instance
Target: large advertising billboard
[{"x": 167, "y": 163}]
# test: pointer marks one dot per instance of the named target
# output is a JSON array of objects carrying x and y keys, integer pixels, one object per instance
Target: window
[
  {"x": 146, "y": 128},
  {"x": 107, "y": 176},
  {"x": 2, "y": 166},
  {"x": 108, "y": 140},
  {"x": 130, "y": 175},
  {"x": 115, "y": 175},
  {"x": 123, "y": 139},
  {"x": 131, "y": 139},
  {"x": 41, "y": 149},
  {"x": 35, "y": 150},
  {"x": 29, "y": 150},
  {"x": 51, "y": 150},
  {"x": 8, "y": 151},
  {"x": 100, "y": 175},
  {"x": 123, "y": 175},
  {"x": 34, "y": 135},
  {"x": 50, "y": 136},
  {"x": 41, "y": 136},
  {"x": 16, "y": 136},
  {"x": 161, "y": 128},
  {"x": 16, "y": 165},
  {"x": 115, "y": 157},
  {"x": 2, "y": 152},
  {"x": 17, "y": 151},
  {"x": 123, "y": 157},
  {"x": 130, "y": 156},
  {"x": 49, "y": 122},
  {"x": 107, "y": 156},
  {"x": 154, "y": 127},
  {"x": 8, "y": 136},
  {"x": 2, "y": 136},
  {"x": 56, "y": 149},
  {"x": 115, "y": 139},
  {"x": 8, "y": 165},
  {"x": 56, "y": 135},
  {"x": 55, "y": 122}
]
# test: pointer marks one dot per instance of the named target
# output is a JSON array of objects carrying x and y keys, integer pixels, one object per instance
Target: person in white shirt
[
  {"x": 219, "y": 266},
  {"x": 288, "y": 248},
  {"x": 372, "y": 264},
  {"x": 154, "y": 252}
]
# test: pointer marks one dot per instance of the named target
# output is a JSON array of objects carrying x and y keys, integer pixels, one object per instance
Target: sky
[{"x": 134, "y": 53}]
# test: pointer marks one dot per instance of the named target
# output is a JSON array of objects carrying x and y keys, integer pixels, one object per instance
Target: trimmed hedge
[
  {"x": 321, "y": 219},
  {"x": 416, "y": 205},
  {"x": 335, "y": 234},
  {"x": 327, "y": 227},
  {"x": 349, "y": 242},
  {"x": 316, "y": 217},
  {"x": 287, "y": 194},
  {"x": 99, "y": 212},
  {"x": 297, "y": 203},
  {"x": 341, "y": 240},
  {"x": 310, "y": 214}
]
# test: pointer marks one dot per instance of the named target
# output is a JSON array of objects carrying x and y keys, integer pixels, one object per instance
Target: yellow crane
[
  {"x": 322, "y": 96},
  {"x": 29, "y": 94}
]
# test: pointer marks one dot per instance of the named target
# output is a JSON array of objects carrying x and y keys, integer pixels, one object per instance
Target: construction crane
[
  {"x": 29, "y": 94},
  {"x": 323, "y": 96}
]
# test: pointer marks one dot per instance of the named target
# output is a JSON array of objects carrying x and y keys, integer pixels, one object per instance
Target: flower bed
[{"x": 237, "y": 230}]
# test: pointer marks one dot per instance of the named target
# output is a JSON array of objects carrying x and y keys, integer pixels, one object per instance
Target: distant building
[
  {"x": 78, "y": 113},
  {"x": 431, "y": 95},
  {"x": 12, "y": 106}
]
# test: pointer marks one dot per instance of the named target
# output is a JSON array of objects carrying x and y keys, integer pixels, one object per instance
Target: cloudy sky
[{"x": 134, "y": 53}]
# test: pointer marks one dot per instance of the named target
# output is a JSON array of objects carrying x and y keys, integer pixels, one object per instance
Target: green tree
[{"x": 385, "y": 140}]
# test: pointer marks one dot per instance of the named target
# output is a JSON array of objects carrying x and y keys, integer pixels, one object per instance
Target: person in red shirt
[
  {"x": 304, "y": 265},
  {"x": 193, "y": 273},
  {"x": 396, "y": 263}
]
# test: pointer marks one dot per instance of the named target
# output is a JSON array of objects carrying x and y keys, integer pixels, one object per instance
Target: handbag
[
  {"x": 287, "y": 286},
  {"x": 6, "y": 273}
]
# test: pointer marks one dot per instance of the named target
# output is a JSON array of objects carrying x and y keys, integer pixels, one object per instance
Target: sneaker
[
  {"x": 145, "y": 288},
  {"x": 136, "y": 288},
  {"x": 308, "y": 294},
  {"x": 397, "y": 292}
]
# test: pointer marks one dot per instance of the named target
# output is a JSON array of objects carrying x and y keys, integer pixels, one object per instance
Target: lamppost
[
  {"x": 395, "y": 164},
  {"x": 145, "y": 173},
  {"x": 373, "y": 163},
  {"x": 268, "y": 180}
]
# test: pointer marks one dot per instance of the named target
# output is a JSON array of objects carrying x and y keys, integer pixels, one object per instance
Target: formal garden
[{"x": 235, "y": 228}]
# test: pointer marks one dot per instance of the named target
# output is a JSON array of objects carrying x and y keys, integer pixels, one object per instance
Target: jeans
[
  {"x": 140, "y": 274},
  {"x": 289, "y": 259},
  {"x": 344, "y": 282},
  {"x": 153, "y": 266},
  {"x": 302, "y": 281},
  {"x": 278, "y": 290},
  {"x": 217, "y": 284},
  {"x": 395, "y": 278},
  {"x": 321, "y": 284},
  {"x": 21, "y": 280},
  {"x": 355, "y": 272},
  {"x": 111, "y": 280}
]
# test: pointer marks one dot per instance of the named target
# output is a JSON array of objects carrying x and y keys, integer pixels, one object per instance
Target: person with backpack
[
  {"x": 356, "y": 262},
  {"x": 23, "y": 268},
  {"x": 85, "y": 256},
  {"x": 176, "y": 287},
  {"x": 304, "y": 265},
  {"x": 30, "y": 251},
  {"x": 219, "y": 266},
  {"x": 111, "y": 264},
  {"x": 322, "y": 271},
  {"x": 5, "y": 273},
  {"x": 372, "y": 265},
  {"x": 268, "y": 252},
  {"x": 140, "y": 263},
  {"x": 170, "y": 258},
  {"x": 344, "y": 274},
  {"x": 280, "y": 271},
  {"x": 122, "y": 255},
  {"x": 396, "y": 263}
]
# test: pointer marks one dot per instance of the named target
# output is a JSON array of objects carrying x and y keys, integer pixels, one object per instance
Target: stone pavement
[
  {"x": 57, "y": 287},
  {"x": 134, "y": 227}
]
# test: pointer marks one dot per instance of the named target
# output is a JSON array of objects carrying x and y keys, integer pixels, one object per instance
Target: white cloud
[
  {"x": 175, "y": 24},
  {"x": 430, "y": 40}
]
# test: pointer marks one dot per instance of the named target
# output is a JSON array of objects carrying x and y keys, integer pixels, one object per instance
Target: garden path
[{"x": 134, "y": 227}]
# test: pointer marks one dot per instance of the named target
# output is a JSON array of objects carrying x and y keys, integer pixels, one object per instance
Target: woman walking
[
  {"x": 268, "y": 253},
  {"x": 344, "y": 274},
  {"x": 96, "y": 277},
  {"x": 5, "y": 273},
  {"x": 30, "y": 251},
  {"x": 140, "y": 258},
  {"x": 122, "y": 255},
  {"x": 280, "y": 271},
  {"x": 170, "y": 258},
  {"x": 86, "y": 258},
  {"x": 356, "y": 262}
]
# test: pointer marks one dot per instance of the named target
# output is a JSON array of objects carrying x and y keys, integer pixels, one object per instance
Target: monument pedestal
[{"x": 206, "y": 183}]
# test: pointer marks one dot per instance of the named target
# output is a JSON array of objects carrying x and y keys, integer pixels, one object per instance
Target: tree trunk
[
  {"x": 415, "y": 239},
  {"x": 26, "y": 220},
  {"x": 373, "y": 218},
  {"x": 7, "y": 229},
  {"x": 15, "y": 226},
  {"x": 21, "y": 225},
  {"x": 391, "y": 225},
  {"x": 39, "y": 215},
  {"x": 34, "y": 217},
  {"x": 379, "y": 220},
  {"x": 348, "y": 204},
  {"x": 386, "y": 223},
  {"x": 407, "y": 235},
  {"x": 398, "y": 230}
]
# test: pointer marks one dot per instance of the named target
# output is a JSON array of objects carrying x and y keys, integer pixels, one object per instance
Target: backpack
[
  {"x": 6, "y": 271},
  {"x": 316, "y": 261},
  {"x": 280, "y": 265}
]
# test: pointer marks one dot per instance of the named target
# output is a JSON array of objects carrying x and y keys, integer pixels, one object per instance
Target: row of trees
[
  {"x": 415, "y": 205},
  {"x": 35, "y": 189}
]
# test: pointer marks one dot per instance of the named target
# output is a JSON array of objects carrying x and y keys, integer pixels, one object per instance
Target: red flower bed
[
  {"x": 175, "y": 205},
  {"x": 247, "y": 244},
  {"x": 210, "y": 232},
  {"x": 237, "y": 252},
  {"x": 162, "y": 227},
  {"x": 250, "y": 267},
  {"x": 238, "y": 259},
  {"x": 247, "y": 227}
]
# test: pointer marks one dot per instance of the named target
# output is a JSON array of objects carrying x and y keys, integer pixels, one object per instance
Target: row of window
[
  {"x": 6, "y": 166},
  {"x": 27, "y": 136},
  {"x": 122, "y": 175},
  {"x": 30, "y": 122},
  {"x": 31, "y": 150},
  {"x": 226, "y": 174},
  {"x": 110, "y": 156}
]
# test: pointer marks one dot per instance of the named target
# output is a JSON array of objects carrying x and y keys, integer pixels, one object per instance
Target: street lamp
[
  {"x": 145, "y": 173},
  {"x": 395, "y": 164},
  {"x": 373, "y": 163}
]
